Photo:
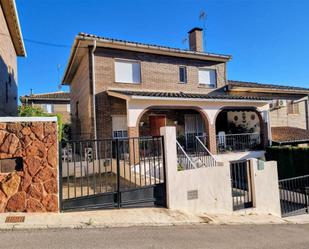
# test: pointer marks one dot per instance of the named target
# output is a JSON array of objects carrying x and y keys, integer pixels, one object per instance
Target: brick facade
[
  {"x": 157, "y": 72},
  {"x": 8, "y": 71},
  {"x": 81, "y": 97},
  {"x": 281, "y": 118}
]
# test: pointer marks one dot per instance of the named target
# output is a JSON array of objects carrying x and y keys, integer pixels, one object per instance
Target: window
[
  {"x": 182, "y": 74},
  {"x": 292, "y": 108},
  {"x": 207, "y": 77},
  {"x": 68, "y": 108},
  {"x": 127, "y": 71},
  {"x": 119, "y": 124},
  {"x": 48, "y": 108}
]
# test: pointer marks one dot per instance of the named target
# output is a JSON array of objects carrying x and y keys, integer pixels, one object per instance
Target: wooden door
[{"x": 156, "y": 122}]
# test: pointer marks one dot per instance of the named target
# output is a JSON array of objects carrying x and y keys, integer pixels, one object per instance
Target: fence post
[
  {"x": 60, "y": 176},
  {"x": 118, "y": 173},
  {"x": 170, "y": 155},
  {"x": 306, "y": 199}
]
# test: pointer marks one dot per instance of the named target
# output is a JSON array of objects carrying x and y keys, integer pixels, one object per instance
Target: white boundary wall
[
  {"x": 208, "y": 190},
  {"x": 265, "y": 184}
]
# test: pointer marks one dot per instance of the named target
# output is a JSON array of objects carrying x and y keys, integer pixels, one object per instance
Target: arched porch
[
  {"x": 189, "y": 123},
  {"x": 240, "y": 129}
]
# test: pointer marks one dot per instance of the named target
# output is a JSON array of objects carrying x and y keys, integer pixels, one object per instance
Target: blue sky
[{"x": 269, "y": 40}]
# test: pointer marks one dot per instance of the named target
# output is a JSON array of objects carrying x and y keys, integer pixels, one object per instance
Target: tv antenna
[
  {"x": 203, "y": 17},
  {"x": 59, "y": 84}
]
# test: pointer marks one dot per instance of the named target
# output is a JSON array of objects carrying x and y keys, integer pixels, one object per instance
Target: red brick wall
[
  {"x": 35, "y": 187},
  {"x": 157, "y": 72}
]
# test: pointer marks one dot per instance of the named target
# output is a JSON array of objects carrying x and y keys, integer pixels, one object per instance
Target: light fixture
[
  {"x": 141, "y": 123},
  {"x": 175, "y": 122}
]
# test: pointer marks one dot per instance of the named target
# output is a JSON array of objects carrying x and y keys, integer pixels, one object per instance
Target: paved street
[{"x": 204, "y": 236}]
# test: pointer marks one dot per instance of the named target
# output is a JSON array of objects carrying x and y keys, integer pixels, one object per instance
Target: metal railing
[
  {"x": 241, "y": 184},
  {"x": 239, "y": 142},
  {"x": 203, "y": 154},
  {"x": 184, "y": 162},
  {"x": 294, "y": 195},
  {"x": 92, "y": 167}
]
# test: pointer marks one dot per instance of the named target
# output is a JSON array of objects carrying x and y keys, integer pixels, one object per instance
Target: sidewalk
[{"x": 133, "y": 217}]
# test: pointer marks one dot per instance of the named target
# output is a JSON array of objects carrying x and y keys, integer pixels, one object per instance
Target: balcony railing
[{"x": 238, "y": 142}]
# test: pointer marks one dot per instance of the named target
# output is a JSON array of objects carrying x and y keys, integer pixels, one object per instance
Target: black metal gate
[
  {"x": 109, "y": 173},
  {"x": 294, "y": 195},
  {"x": 241, "y": 184}
]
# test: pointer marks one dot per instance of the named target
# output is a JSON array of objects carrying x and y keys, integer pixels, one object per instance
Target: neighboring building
[
  {"x": 52, "y": 103},
  {"x": 128, "y": 89},
  {"x": 289, "y": 115},
  {"x": 11, "y": 46}
]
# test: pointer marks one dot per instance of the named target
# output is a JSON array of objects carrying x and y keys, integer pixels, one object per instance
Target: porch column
[
  {"x": 210, "y": 114},
  {"x": 265, "y": 128},
  {"x": 212, "y": 139},
  {"x": 133, "y": 134}
]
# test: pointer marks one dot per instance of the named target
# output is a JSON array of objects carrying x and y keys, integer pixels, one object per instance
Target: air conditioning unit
[
  {"x": 274, "y": 105},
  {"x": 281, "y": 103}
]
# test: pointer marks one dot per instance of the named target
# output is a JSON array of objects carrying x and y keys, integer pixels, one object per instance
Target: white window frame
[
  {"x": 210, "y": 84},
  {"x": 48, "y": 108},
  {"x": 127, "y": 61},
  {"x": 119, "y": 133}
]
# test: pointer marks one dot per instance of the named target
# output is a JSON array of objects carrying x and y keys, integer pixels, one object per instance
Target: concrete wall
[
  {"x": 29, "y": 165},
  {"x": 8, "y": 71},
  {"x": 208, "y": 190},
  {"x": 265, "y": 186},
  {"x": 213, "y": 195}
]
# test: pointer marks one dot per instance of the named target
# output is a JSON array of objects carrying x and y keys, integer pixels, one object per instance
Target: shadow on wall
[{"x": 8, "y": 90}]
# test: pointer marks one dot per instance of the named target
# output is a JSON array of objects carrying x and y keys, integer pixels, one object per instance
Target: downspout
[
  {"x": 94, "y": 88},
  {"x": 307, "y": 112}
]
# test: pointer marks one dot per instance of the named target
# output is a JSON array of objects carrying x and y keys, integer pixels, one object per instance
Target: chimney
[{"x": 196, "y": 39}]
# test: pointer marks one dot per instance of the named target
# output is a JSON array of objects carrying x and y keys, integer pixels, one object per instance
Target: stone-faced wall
[{"x": 33, "y": 188}]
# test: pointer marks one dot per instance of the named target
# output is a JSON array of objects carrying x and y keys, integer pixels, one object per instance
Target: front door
[{"x": 156, "y": 122}]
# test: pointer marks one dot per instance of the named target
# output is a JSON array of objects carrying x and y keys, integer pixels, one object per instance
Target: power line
[{"x": 43, "y": 43}]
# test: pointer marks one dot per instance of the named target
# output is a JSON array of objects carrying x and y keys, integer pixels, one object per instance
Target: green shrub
[
  {"x": 292, "y": 161},
  {"x": 31, "y": 111}
]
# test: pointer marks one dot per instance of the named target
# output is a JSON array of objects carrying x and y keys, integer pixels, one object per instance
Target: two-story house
[
  {"x": 11, "y": 46},
  {"x": 51, "y": 103},
  {"x": 129, "y": 89}
]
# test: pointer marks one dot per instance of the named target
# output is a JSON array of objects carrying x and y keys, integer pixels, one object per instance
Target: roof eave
[
  {"x": 12, "y": 20},
  {"x": 137, "y": 48},
  {"x": 138, "y": 97}
]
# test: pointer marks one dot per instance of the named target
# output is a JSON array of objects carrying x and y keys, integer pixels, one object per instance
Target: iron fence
[
  {"x": 294, "y": 195},
  {"x": 91, "y": 168},
  {"x": 239, "y": 142},
  {"x": 241, "y": 184}
]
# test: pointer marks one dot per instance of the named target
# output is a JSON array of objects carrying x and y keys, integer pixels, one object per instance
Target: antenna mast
[
  {"x": 58, "y": 70},
  {"x": 203, "y": 18}
]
